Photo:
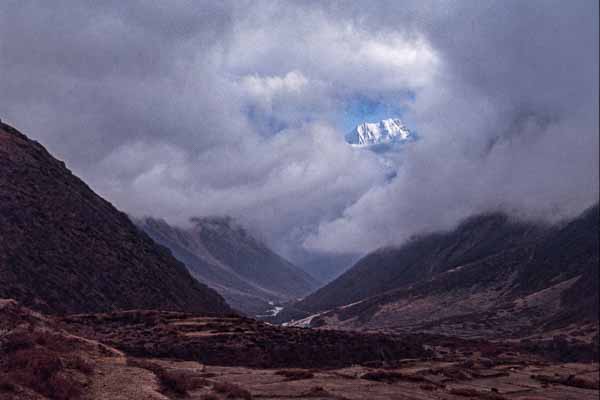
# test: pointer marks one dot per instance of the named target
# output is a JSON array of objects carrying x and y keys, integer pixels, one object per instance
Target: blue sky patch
[{"x": 361, "y": 109}]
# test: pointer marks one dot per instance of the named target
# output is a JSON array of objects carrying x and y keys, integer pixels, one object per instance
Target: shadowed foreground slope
[{"x": 64, "y": 249}]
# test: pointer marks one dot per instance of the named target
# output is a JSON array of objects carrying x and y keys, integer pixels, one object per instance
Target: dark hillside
[
  {"x": 64, "y": 249},
  {"x": 422, "y": 258}
]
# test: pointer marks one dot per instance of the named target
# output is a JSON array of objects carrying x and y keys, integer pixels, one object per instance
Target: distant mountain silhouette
[{"x": 223, "y": 254}]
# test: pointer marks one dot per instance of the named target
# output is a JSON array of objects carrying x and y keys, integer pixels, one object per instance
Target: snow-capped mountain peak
[{"x": 383, "y": 132}]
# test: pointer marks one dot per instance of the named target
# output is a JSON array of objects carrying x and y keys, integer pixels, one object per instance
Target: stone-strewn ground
[{"x": 166, "y": 355}]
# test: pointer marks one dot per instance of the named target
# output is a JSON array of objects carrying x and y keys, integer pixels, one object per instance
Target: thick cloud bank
[{"x": 197, "y": 108}]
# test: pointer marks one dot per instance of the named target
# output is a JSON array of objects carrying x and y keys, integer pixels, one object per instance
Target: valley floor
[
  {"x": 114, "y": 379},
  {"x": 167, "y": 355}
]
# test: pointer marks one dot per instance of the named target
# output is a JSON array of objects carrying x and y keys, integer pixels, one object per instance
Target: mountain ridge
[
  {"x": 459, "y": 281},
  {"x": 384, "y": 132},
  {"x": 220, "y": 252},
  {"x": 64, "y": 249},
  {"x": 424, "y": 256}
]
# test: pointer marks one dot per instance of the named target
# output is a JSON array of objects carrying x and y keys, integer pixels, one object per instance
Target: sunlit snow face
[{"x": 361, "y": 109}]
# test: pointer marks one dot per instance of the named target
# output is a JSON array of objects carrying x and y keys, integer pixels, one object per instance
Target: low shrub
[
  {"x": 42, "y": 371},
  {"x": 383, "y": 376},
  {"x": 43, "y": 361},
  {"x": 295, "y": 374},
  {"x": 210, "y": 396},
  {"x": 317, "y": 391},
  {"x": 469, "y": 392},
  {"x": 231, "y": 391},
  {"x": 81, "y": 364},
  {"x": 179, "y": 382}
]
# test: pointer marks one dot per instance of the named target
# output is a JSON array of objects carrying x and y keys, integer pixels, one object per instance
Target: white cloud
[
  {"x": 267, "y": 87},
  {"x": 232, "y": 107}
]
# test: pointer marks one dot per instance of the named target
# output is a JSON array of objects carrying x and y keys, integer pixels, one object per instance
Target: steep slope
[
  {"x": 230, "y": 260},
  {"x": 570, "y": 252},
  {"x": 545, "y": 282},
  {"x": 422, "y": 258},
  {"x": 64, "y": 249}
]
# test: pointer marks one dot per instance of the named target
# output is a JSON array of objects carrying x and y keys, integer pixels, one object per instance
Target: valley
[
  {"x": 225, "y": 256},
  {"x": 96, "y": 307},
  {"x": 299, "y": 200}
]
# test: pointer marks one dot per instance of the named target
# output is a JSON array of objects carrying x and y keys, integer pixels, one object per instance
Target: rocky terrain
[
  {"x": 170, "y": 355},
  {"x": 490, "y": 277},
  {"x": 225, "y": 256},
  {"x": 64, "y": 249}
]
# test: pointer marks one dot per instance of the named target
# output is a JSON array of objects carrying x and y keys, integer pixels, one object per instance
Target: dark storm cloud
[
  {"x": 511, "y": 122},
  {"x": 85, "y": 78},
  {"x": 192, "y": 108}
]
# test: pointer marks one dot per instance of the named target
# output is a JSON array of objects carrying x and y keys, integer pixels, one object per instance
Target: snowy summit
[{"x": 386, "y": 131}]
